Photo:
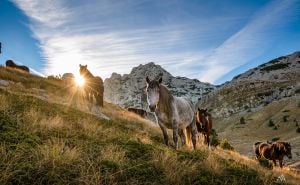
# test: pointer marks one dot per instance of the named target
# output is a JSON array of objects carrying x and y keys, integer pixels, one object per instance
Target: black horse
[
  {"x": 93, "y": 86},
  {"x": 11, "y": 64}
]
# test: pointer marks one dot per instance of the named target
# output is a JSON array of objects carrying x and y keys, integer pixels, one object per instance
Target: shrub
[
  {"x": 214, "y": 140},
  {"x": 298, "y": 130},
  {"x": 275, "y": 127},
  {"x": 285, "y": 118},
  {"x": 275, "y": 67},
  {"x": 265, "y": 163},
  {"x": 275, "y": 139},
  {"x": 224, "y": 144},
  {"x": 242, "y": 120},
  {"x": 271, "y": 123}
]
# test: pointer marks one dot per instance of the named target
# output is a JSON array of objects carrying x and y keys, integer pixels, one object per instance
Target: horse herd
[
  {"x": 179, "y": 114},
  {"x": 176, "y": 113}
]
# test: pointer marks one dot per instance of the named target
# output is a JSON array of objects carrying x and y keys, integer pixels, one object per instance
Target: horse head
[
  {"x": 83, "y": 69},
  {"x": 288, "y": 150},
  {"x": 201, "y": 115},
  {"x": 283, "y": 148},
  {"x": 153, "y": 92}
]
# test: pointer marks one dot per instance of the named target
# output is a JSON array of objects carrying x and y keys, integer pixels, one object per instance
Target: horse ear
[
  {"x": 199, "y": 109},
  {"x": 147, "y": 80},
  {"x": 80, "y": 65},
  {"x": 160, "y": 80},
  {"x": 85, "y": 66}
]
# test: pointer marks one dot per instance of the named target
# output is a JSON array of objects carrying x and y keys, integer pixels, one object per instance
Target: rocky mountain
[
  {"x": 128, "y": 90},
  {"x": 256, "y": 88}
]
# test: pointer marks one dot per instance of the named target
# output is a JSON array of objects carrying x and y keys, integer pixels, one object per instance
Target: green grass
[{"x": 224, "y": 144}]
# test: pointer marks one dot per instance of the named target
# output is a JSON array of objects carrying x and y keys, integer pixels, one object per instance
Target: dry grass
[{"x": 53, "y": 142}]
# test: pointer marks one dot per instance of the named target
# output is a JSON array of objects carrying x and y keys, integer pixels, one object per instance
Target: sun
[{"x": 79, "y": 80}]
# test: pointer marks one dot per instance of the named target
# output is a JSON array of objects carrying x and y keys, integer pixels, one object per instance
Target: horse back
[{"x": 184, "y": 109}]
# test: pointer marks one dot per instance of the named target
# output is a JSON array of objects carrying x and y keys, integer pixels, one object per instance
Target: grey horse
[{"x": 172, "y": 112}]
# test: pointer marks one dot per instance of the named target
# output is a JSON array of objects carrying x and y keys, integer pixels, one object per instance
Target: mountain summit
[{"x": 128, "y": 90}]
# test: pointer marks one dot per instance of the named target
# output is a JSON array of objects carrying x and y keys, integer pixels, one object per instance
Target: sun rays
[{"x": 79, "y": 80}]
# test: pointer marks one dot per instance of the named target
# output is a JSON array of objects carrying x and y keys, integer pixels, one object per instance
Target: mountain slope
[
  {"x": 267, "y": 93},
  {"x": 256, "y": 88},
  {"x": 128, "y": 90},
  {"x": 45, "y": 140}
]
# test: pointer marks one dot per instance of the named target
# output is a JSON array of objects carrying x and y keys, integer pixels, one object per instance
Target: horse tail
[{"x": 256, "y": 149}]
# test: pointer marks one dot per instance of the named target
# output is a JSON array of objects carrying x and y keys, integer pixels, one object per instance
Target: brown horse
[
  {"x": 137, "y": 111},
  {"x": 11, "y": 64},
  {"x": 93, "y": 86},
  {"x": 273, "y": 151},
  {"x": 204, "y": 123}
]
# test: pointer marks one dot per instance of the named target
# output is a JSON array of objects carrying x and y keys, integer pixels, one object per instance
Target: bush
[
  {"x": 214, "y": 140},
  {"x": 285, "y": 118},
  {"x": 271, "y": 123},
  {"x": 265, "y": 163},
  {"x": 242, "y": 120},
  {"x": 275, "y": 139},
  {"x": 298, "y": 130},
  {"x": 275, "y": 127},
  {"x": 224, "y": 144},
  {"x": 275, "y": 67}
]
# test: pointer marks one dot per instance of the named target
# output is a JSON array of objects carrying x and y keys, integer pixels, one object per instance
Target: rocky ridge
[
  {"x": 128, "y": 90},
  {"x": 256, "y": 88}
]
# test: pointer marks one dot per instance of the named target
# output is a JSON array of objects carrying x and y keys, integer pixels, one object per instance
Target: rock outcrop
[{"x": 128, "y": 90}]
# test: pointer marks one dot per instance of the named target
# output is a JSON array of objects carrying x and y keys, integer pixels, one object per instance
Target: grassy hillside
[
  {"x": 257, "y": 127},
  {"x": 49, "y": 136}
]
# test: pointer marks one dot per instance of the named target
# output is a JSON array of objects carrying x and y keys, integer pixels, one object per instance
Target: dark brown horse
[
  {"x": 204, "y": 123},
  {"x": 93, "y": 86},
  {"x": 273, "y": 151},
  {"x": 11, "y": 64},
  {"x": 139, "y": 112}
]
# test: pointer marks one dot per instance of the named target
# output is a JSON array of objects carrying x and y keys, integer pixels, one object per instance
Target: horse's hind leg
[
  {"x": 182, "y": 136},
  {"x": 194, "y": 131},
  {"x": 175, "y": 133}
]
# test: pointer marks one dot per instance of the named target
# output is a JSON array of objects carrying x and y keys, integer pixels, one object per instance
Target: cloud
[
  {"x": 114, "y": 36},
  {"x": 248, "y": 43}
]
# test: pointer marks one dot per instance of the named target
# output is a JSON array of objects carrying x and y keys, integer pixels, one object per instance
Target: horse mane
[
  {"x": 165, "y": 100},
  {"x": 87, "y": 73}
]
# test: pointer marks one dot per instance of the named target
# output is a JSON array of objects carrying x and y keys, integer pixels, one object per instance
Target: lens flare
[{"x": 79, "y": 80}]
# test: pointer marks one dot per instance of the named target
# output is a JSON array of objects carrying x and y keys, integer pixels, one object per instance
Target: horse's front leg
[
  {"x": 175, "y": 133},
  {"x": 280, "y": 163},
  {"x": 165, "y": 134},
  {"x": 274, "y": 161}
]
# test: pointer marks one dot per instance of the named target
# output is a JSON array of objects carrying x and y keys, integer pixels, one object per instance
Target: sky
[{"x": 212, "y": 41}]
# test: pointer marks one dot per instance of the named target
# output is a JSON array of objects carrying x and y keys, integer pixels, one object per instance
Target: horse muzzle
[{"x": 152, "y": 108}]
